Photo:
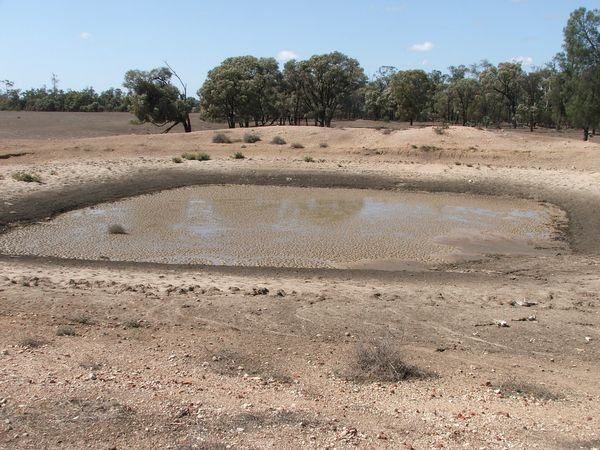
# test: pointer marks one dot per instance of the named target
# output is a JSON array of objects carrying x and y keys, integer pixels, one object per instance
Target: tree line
[{"x": 249, "y": 91}]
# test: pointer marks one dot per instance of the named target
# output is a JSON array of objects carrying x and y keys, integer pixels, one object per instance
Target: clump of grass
[
  {"x": 116, "y": 228},
  {"x": 297, "y": 145},
  {"x": 251, "y": 138},
  {"x": 414, "y": 146},
  {"x": 517, "y": 389},
  {"x": 278, "y": 140},
  {"x": 323, "y": 145},
  {"x": 32, "y": 342},
  {"x": 83, "y": 320},
  {"x": 196, "y": 156},
  {"x": 308, "y": 159},
  {"x": 381, "y": 361},
  {"x": 238, "y": 155},
  {"x": 26, "y": 177},
  {"x": 221, "y": 138},
  {"x": 177, "y": 160},
  {"x": 133, "y": 323},
  {"x": 428, "y": 148},
  {"x": 65, "y": 330}
]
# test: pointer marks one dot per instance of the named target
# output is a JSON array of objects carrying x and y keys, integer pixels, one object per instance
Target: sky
[{"x": 93, "y": 43}]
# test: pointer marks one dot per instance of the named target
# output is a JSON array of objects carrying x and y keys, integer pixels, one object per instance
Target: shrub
[
  {"x": 65, "y": 330},
  {"x": 323, "y": 145},
  {"x": 278, "y": 140},
  {"x": 177, "y": 160},
  {"x": 134, "y": 323},
  {"x": 297, "y": 145},
  {"x": 381, "y": 361},
  {"x": 221, "y": 138},
  {"x": 83, "y": 319},
  {"x": 238, "y": 155},
  {"x": 115, "y": 228},
  {"x": 26, "y": 177},
  {"x": 308, "y": 159},
  {"x": 251, "y": 138},
  {"x": 517, "y": 389},
  {"x": 196, "y": 156},
  {"x": 32, "y": 342}
]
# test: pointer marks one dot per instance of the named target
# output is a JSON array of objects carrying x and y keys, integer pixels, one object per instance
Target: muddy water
[{"x": 294, "y": 227}]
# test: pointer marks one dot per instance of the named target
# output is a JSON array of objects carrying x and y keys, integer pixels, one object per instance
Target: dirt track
[{"x": 202, "y": 357}]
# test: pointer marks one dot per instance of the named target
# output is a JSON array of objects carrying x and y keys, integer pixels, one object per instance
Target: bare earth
[{"x": 103, "y": 354}]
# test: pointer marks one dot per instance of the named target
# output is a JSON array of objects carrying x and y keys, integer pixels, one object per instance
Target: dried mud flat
[{"x": 504, "y": 352}]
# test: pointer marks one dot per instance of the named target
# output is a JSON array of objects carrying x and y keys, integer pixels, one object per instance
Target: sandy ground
[{"x": 123, "y": 355}]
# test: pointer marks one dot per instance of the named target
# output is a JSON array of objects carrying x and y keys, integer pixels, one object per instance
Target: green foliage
[
  {"x": 241, "y": 90},
  {"x": 154, "y": 99},
  {"x": 308, "y": 159},
  {"x": 411, "y": 90},
  {"x": 238, "y": 155},
  {"x": 221, "y": 138},
  {"x": 278, "y": 140},
  {"x": 26, "y": 177}
]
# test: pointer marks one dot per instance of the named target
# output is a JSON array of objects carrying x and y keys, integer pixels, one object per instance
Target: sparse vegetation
[
  {"x": 517, "y": 389},
  {"x": 32, "y": 342},
  {"x": 238, "y": 155},
  {"x": 196, "y": 156},
  {"x": 65, "y": 330},
  {"x": 26, "y": 177},
  {"x": 116, "y": 228},
  {"x": 428, "y": 148},
  {"x": 221, "y": 138},
  {"x": 278, "y": 140},
  {"x": 251, "y": 138},
  {"x": 323, "y": 145},
  {"x": 177, "y": 160},
  {"x": 387, "y": 131},
  {"x": 308, "y": 159},
  {"x": 83, "y": 319},
  {"x": 296, "y": 145},
  {"x": 133, "y": 323},
  {"x": 381, "y": 361}
]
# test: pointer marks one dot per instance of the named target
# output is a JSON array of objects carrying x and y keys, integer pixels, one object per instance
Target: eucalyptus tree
[
  {"x": 155, "y": 99},
  {"x": 507, "y": 81},
  {"x": 582, "y": 67},
  {"x": 411, "y": 90},
  {"x": 242, "y": 89},
  {"x": 326, "y": 82}
]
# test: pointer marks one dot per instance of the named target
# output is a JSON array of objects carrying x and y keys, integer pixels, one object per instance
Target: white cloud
[
  {"x": 422, "y": 47},
  {"x": 286, "y": 55},
  {"x": 525, "y": 60},
  {"x": 85, "y": 35}
]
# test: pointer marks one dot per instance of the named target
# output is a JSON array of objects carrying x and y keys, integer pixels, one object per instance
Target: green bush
[
  {"x": 177, "y": 160},
  {"x": 238, "y": 155},
  {"x": 308, "y": 159}
]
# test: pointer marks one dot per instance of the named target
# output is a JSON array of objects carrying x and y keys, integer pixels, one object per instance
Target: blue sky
[{"x": 93, "y": 43}]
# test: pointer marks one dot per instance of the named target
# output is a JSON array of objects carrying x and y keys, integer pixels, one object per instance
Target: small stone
[{"x": 92, "y": 376}]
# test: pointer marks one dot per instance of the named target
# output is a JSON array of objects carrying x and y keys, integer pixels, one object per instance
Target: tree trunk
[
  {"x": 187, "y": 124},
  {"x": 586, "y": 133},
  {"x": 411, "y": 121}
]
